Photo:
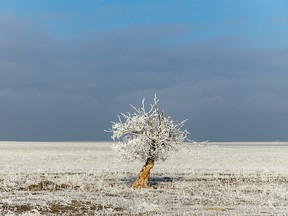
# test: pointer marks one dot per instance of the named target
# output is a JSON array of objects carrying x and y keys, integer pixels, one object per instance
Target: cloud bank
[{"x": 53, "y": 89}]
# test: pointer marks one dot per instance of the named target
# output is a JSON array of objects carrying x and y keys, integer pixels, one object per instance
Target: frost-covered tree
[{"x": 148, "y": 136}]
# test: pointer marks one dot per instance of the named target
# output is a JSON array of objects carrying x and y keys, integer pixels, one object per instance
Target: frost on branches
[{"x": 147, "y": 135}]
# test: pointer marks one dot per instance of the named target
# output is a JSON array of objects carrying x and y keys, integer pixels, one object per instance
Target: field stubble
[{"x": 203, "y": 181}]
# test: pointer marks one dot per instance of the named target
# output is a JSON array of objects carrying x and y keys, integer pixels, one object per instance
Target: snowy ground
[{"x": 85, "y": 178}]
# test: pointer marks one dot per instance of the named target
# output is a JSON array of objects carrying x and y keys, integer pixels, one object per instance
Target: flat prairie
[{"x": 86, "y": 178}]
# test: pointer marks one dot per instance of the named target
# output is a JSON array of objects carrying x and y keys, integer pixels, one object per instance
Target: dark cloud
[{"x": 53, "y": 89}]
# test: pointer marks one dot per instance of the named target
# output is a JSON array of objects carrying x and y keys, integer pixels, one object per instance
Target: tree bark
[{"x": 143, "y": 177}]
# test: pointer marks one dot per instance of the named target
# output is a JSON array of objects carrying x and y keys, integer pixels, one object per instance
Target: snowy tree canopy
[{"x": 147, "y": 134}]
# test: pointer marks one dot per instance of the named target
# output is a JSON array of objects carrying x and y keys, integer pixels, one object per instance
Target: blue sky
[
  {"x": 68, "y": 67},
  {"x": 260, "y": 22}
]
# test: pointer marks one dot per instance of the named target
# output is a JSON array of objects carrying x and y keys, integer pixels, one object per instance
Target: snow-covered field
[{"x": 85, "y": 178}]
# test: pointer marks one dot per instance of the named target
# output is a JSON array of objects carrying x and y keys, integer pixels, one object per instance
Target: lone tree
[{"x": 147, "y": 136}]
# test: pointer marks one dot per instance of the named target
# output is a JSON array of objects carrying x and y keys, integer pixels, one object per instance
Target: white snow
[
  {"x": 66, "y": 178},
  {"x": 145, "y": 134}
]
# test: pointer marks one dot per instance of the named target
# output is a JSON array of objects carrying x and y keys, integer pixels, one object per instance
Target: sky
[{"x": 69, "y": 67}]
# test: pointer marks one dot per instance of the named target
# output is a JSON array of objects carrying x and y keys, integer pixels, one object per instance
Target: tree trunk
[{"x": 143, "y": 177}]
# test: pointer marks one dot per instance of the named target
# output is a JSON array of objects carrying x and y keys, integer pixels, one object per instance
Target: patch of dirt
[
  {"x": 75, "y": 208},
  {"x": 47, "y": 186},
  {"x": 16, "y": 208},
  {"x": 218, "y": 209}
]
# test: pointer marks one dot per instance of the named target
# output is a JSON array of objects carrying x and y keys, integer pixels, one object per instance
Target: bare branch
[{"x": 145, "y": 134}]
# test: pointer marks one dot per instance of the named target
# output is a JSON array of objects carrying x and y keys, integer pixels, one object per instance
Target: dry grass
[
  {"x": 197, "y": 193},
  {"x": 85, "y": 179}
]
